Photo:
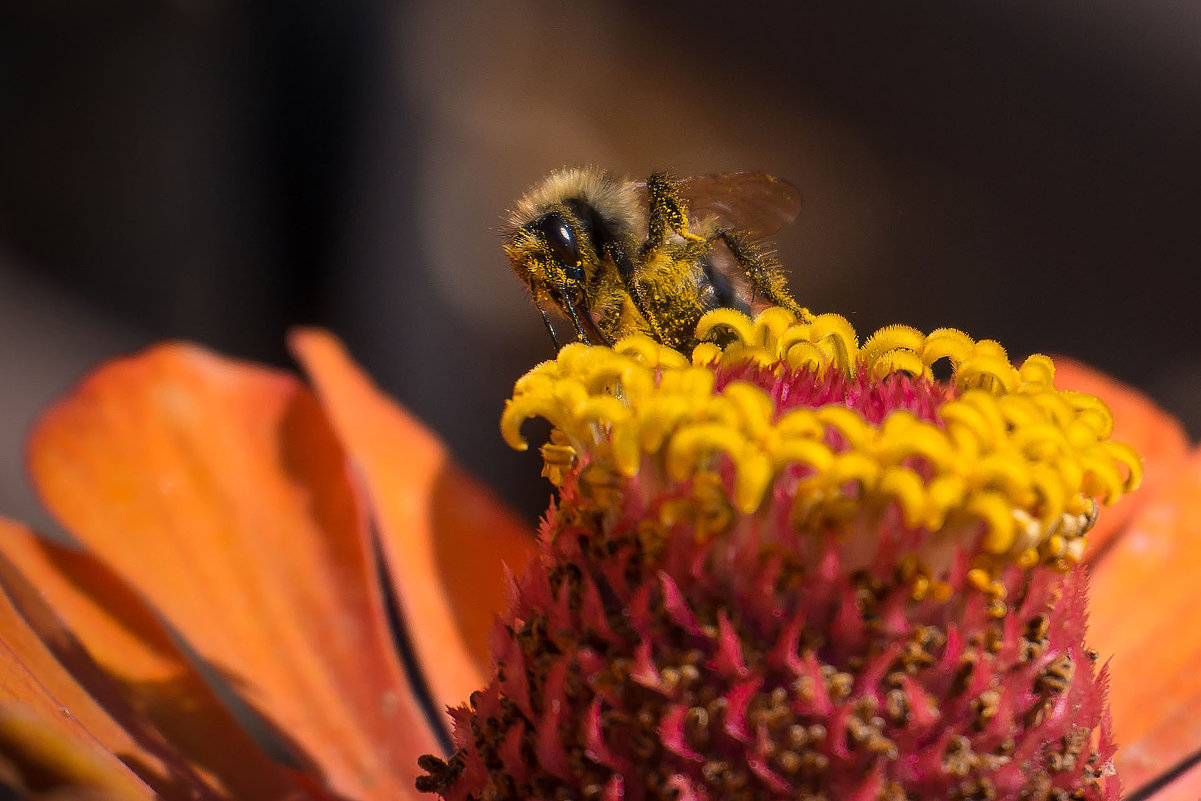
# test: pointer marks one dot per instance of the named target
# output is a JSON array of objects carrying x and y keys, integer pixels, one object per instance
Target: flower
[
  {"x": 791, "y": 567},
  {"x": 229, "y": 507}
]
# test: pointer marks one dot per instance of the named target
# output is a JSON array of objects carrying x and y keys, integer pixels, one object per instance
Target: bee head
[
  {"x": 552, "y": 251},
  {"x": 561, "y": 243}
]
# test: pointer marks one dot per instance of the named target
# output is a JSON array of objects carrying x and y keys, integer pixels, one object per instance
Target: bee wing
[
  {"x": 754, "y": 203},
  {"x": 727, "y": 285}
]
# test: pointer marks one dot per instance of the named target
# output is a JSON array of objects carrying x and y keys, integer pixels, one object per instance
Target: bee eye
[{"x": 561, "y": 239}]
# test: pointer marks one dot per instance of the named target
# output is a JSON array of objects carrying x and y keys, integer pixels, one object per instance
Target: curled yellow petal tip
[{"x": 1002, "y": 455}]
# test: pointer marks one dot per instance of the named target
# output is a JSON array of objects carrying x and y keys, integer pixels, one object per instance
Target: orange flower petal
[
  {"x": 444, "y": 535},
  {"x": 34, "y": 751},
  {"x": 51, "y": 718},
  {"x": 137, "y": 653},
  {"x": 1158, "y": 437},
  {"x": 1143, "y": 602},
  {"x": 218, "y": 490}
]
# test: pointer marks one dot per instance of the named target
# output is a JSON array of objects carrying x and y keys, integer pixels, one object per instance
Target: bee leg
[
  {"x": 583, "y": 320},
  {"x": 667, "y": 211},
  {"x": 569, "y": 307},
  {"x": 627, "y": 271},
  {"x": 546, "y": 321},
  {"x": 763, "y": 274}
]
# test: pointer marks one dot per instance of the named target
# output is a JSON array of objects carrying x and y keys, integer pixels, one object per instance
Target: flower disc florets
[{"x": 787, "y": 566}]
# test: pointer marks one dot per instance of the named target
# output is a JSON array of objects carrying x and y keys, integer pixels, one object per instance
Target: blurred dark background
[{"x": 220, "y": 171}]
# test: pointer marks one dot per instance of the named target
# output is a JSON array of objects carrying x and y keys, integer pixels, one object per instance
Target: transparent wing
[{"x": 754, "y": 203}]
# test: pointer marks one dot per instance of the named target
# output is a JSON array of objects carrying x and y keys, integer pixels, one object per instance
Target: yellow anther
[
  {"x": 847, "y": 422},
  {"x": 990, "y": 347},
  {"x": 1128, "y": 456},
  {"x": 720, "y": 410},
  {"x": 1072, "y": 475},
  {"x": 801, "y": 423},
  {"x": 695, "y": 383},
  {"x": 806, "y": 356},
  {"x": 1019, "y": 411},
  {"x": 903, "y": 437},
  {"x": 856, "y": 467},
  {"x": 996, "y": 513},
  {"x": 635, "y": 382},
  {"x": 1054, "y": 406},
  {"x": 517, "y": 411},
  {"x": 947, "y": 343},
  {"x": 1097, "y": 422},
  {"x": 706, "y": 353},
  {"x": 944, "y": 493},
  {"x": 754, "y": 406},
  {"x": 694, "y": 442},
  {"x": 539, "y": 379},
  {"x": 1040, "y": 441},
  {"x": 1052, "y": 494},
  {"x": 986, "y": 404},
  {"x": 1093, "y": 410},
  {"x": 728, "y": 320},
  {"x": 1006, "y": 473},
  {"x": 835, "y": 330},
  {"x": 989, "y": 372},
  {"x": 1057, "y": 406},
  {"x": 771, "y": 323},
  {"x": 898, "y": 361},
  {"x": 1101, "y": 477},
  {"x": 754, "y": 475},
  {"x": 964, "y": 418},
  {"x": 893, "y": 337},
  {"x": 570, "y": 394},
  {"x": 834, "y": 325},
  {"x": 646, "y": 350},
  {"x": 1037, "y": 369},
  {"x": 806, "y": 452},
  {"x": 602, "y": 376},
  {"x": 1080, "y": 435},
  {"x": 658, "y": 416},
  {"x": 602, "y": 409},
  {"x": 570, "y": 356},
  {"x": 947, "y": 490},
  {"x": 905, "y": 487},
  {"x": 795, "y": 335},
  {"x": 624, "y": 445},
  {"x": 738, "y": 353}
]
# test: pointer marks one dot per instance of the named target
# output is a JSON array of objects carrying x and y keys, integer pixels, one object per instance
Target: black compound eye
[{"x": 561, "y": 239}]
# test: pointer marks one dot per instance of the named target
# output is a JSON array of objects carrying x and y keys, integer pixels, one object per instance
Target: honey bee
[{"x": 616, "y": 257}]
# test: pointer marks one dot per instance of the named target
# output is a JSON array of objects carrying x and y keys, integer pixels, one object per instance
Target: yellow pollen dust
[{"x": 1011, "y": 452}]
